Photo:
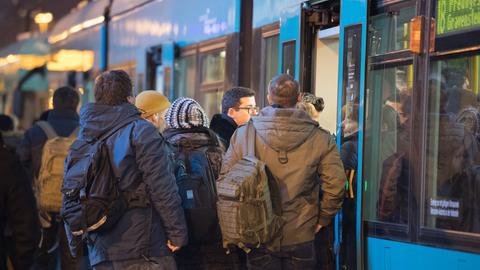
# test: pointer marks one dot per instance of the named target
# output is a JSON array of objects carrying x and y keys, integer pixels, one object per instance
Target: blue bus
[{"x": 400, "y": 77}]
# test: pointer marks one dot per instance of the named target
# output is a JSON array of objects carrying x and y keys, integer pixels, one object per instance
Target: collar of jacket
[{"x": 96, "y": 119}]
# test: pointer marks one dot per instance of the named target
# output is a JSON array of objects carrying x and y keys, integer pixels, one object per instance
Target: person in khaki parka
[{"x": 298, "y": 154}]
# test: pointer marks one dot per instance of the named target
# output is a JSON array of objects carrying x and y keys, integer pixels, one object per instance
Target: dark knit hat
[{"x": 186, "y": 113}]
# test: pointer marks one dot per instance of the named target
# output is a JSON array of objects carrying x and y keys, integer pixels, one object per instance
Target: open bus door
[
  {"x": 160, "y": 64},
  {"x": 350, "y": 123}
]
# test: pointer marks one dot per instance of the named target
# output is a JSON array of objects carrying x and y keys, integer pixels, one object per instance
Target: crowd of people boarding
[{"x": 133, "y": 182}]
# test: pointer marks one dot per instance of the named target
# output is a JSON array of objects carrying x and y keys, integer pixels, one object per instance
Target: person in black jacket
[
  {"x": 18, "y": 210},
  {"x": 238, "y": 105},
  {"x": 194, "y": 145},
  {"x": 143, "y": 238},
  {"x": 63, "y": 119}
]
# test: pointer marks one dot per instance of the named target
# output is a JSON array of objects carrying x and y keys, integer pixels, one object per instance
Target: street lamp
[{"x": 43, "y": 19}]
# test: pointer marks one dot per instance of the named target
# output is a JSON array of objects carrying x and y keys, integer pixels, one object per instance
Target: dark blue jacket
[
  {"x": 17, "y": 209},
  {"x": 64, "y": 122},
  {"x": 139, "y": 154}
]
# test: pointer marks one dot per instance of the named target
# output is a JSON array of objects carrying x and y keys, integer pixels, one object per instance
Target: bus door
[
  {"x": 350, "y": 133},
  {"x": 160, "y": 63}
]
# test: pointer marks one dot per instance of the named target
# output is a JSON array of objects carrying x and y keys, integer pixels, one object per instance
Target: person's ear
[
  {"x": 231, "y": 112},
  {"x": 269, "y": 98}
]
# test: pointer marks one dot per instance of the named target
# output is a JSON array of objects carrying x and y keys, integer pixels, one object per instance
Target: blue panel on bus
[{"x": 385, "y": 254}]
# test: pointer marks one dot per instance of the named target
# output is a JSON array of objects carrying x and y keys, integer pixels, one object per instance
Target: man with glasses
[{"x": 238, "y": 105}]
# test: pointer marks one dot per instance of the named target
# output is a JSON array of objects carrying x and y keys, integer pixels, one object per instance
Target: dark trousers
[
  {"x": 54, "y": 249},
  {"x": 324, "y": 241},
  {"x": 157, "y": 263},
  {"x": 301, "y": 257},
  {"x": 209, "y": 257}
]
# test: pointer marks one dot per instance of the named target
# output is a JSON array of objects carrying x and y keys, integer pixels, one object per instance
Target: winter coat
[
  {"x": 298, "y": 155},
  {"x": 18, "y": 209},
  {"x": 138, "y": 154},
  {"x": 224, "y": 126},
  {"x": 64, "y": 122}
]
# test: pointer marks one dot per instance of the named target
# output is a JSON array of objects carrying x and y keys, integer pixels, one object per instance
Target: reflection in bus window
[
  {"x": 387, "y": 141},
  {"x": 271, "y": 60},
  {"x": 213, "y": 67},
  {"x": 453, "y": 161},
  {"x": 390, "y": 31},
  {"x": 184, "y": 78},
  {"x": 211, "y": 102}
]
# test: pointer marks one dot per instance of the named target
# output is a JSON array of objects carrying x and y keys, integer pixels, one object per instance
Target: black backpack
[
  {"x": 92, "y": 200},
  {"x": 196, "y": 166}
]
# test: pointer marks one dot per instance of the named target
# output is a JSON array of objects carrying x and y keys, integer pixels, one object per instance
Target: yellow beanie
[{"x": 150, "y": 102}]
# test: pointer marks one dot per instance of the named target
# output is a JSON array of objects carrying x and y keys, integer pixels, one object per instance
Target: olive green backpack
[{"x": 249, "y": 205}]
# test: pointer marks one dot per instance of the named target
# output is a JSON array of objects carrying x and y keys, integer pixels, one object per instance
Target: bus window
[
  {"x": 213, "y": 67},
  {"x": 387, "y": 144},
  {"x": 390, "y": 31},
  {"x": 288, "y": 57},
  {"x": 184, "y": 77},
  {"x": 270, "y": 54},
  {"x": 452, "y": 200}
]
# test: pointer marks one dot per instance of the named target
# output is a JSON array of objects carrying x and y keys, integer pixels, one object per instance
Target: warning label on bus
[{"x": 444, "y": 208}]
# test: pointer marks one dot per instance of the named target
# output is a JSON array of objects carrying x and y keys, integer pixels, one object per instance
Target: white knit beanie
[{"x": 186, "y": 113}]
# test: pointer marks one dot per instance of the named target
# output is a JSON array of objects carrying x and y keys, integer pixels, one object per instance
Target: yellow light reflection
[
  {"x": 42, "y": 18},
  {"x": 71, "y": 60},
  {"x": 76, "y": 28}
]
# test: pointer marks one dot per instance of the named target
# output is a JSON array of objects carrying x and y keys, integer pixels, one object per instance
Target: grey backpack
[{"x": 248, "y": 204}]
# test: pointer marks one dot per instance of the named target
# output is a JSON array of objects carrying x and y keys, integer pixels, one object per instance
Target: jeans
[
  {"x": 157, "y": 263},
  {"x": 300, "y": 256}
]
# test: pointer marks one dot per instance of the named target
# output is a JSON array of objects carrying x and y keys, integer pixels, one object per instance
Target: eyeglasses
[{"x": 251, "y": 110}]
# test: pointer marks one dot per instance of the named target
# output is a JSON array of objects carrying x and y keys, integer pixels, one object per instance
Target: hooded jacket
[
  {"x": 139, "y": 154},
  {"x": 298, "y": 154}
]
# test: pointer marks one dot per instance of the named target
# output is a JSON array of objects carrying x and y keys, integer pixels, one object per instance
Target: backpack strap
[
  {"x": 74, "y": 133},
  {"x": 251, "y": 136},
  {"x": 48, "y": 129}
]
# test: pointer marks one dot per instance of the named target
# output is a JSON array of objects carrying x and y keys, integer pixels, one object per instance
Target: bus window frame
[
  {"x": 205, "y": 48},
  {"x": 267, "y": 32},
  {"x": 415, "y": 231},
  {"x": 189, "y": 50},
  {"x": 375, "y": 228},
  {"x": 258, "y": 72},
  {"x": 443, "y": 238}
]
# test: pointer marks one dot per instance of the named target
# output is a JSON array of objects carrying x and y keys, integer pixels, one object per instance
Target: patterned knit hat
[{"x": 186, "y": 113}]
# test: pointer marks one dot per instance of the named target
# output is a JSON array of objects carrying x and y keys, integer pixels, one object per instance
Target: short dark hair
[
  {"x": 65, "y": 98},
  {"x": 231, "y": 98},
  {"x": 6, "y": 123},
  {"x": 284, "y": 91},
  {"x": 113, "y": 88}
]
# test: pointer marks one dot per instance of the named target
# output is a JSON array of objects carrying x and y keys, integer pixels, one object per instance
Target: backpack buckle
[{"x": 282, "y": 157}]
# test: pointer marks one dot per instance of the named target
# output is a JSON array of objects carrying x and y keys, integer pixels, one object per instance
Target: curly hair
[
  {"x": 317, "y": 102},
  {"x": 113, "y": 88}
]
